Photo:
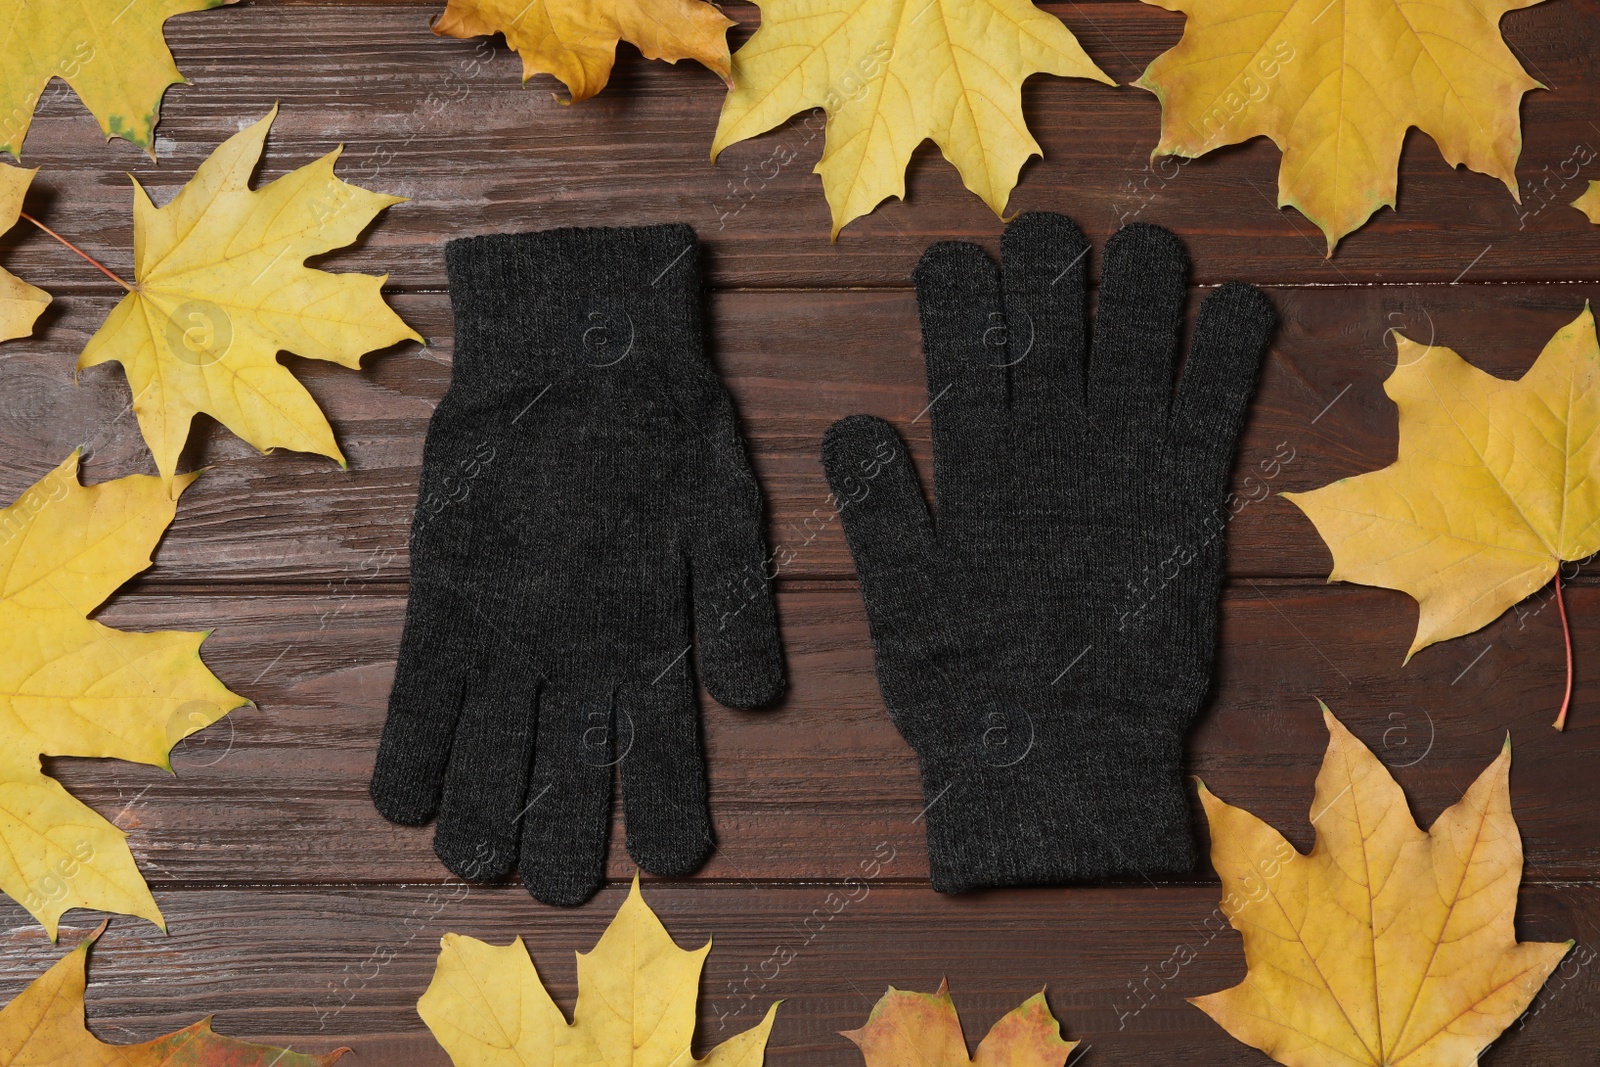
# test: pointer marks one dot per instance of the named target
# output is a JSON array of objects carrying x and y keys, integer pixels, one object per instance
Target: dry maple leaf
[
  {"x": 20, "y": 303},
  {"x": 576, "y": 40},
  {"x": 922, "y": 1029},
  {"x": 891, "y": 75},
  {"x": 1589, "y": 202},
  {"x": 111, "y": 52},
  {"x": 44, "y": 1027},
  {"x": 1336, "y": 84},
  {"x": 70, "y": 686},
  {"x": 1386, "y": 946},
  {"x": 222, "y": 289},
  {"x": 1496, "y": 484},
  {"x": 636, "y": 1003}
]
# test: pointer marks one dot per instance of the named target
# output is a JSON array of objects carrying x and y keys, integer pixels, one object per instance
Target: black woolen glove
[
  {"x": 583, "y": 484},
  {"x": 1044, "y": 643}
]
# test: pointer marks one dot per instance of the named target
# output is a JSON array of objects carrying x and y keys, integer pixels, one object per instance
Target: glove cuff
[
  {"x": 591, "y": 297},
  {"x": 1100, "y": 801}
]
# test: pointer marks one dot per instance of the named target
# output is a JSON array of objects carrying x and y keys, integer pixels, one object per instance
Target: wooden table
[{"x": 299, "y": 916}]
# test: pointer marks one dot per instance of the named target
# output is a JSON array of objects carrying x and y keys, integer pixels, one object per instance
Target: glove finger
[
  {"x": 663, "y": 774},
  {"x": 1044, "y": 260},
  {"x": 424, "y": 704},
  {"x": 879, "y": 501},
  {"x": 566, "y": 821},
  {"x": 1142, "y": 291},
  {"x": 1232, "y": 332},
  {"x": 736, "y": 619},
  {"x": 487, "y": 780},
  {"x": 965, "y": 341}
]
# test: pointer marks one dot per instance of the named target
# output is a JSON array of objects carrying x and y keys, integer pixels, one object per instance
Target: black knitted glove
[
  {"x": 583, "y": 484},
  {"x": 1046, "y": 642}
]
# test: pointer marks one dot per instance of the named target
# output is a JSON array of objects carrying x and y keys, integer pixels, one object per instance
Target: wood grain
[
  {"x": 298, "y": 518},
  {"x": 800, "y": 789}
]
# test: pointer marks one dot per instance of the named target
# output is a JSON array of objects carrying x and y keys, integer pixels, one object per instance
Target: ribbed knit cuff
[
  {"x": 596, "y": 295},
  {"x": 1087, "y": 805}
]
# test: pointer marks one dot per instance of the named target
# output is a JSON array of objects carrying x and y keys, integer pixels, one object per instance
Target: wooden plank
[
  {"x": 449, "y": 124},
  {"x": 300, "y": 917},
  {"x": 800, "y": 789},
  {"x": 298, "y": 518},
  {"x": 346, "y": 965}
]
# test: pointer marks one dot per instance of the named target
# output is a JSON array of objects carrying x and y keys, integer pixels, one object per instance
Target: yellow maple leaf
[
  {"x": 1589, "y": 202},
  {"x": 44, "y": 1027},
  {"x": 20, "y": 303},
  {"x": 222, "y": 289},
  {"x": 111, "y": 52},
  {"x": 922, "y": 1029},
  {"x": 1496, "y": 484},
  {"x": 636, "y": 1003},
  {"x": 576, "y": 40},
  {"x": 70, "y": 686},
  {"x": 891, "y": 75},
  {"x": 1386, "y": 946},
  {"x": 1336, "y": 84}
]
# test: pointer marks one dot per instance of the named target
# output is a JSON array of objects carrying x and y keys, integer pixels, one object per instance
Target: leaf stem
[
  {"x": 100, "y": 266},
  {"x": 1566, "y": 634}
]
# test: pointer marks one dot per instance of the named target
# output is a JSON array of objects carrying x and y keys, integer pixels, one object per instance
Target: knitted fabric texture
[
  {"x": 1045, "y": 639},
  {"x": 585, "y": 504}
]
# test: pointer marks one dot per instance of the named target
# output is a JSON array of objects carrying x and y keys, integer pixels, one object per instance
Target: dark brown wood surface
[{"x": 299, "y": 916}]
